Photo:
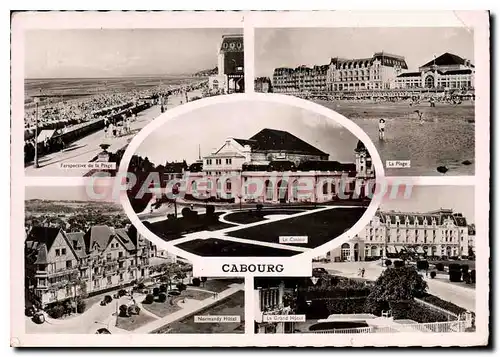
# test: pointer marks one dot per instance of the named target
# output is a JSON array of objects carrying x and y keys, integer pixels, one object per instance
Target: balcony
[{"x": 121, "y": 259}]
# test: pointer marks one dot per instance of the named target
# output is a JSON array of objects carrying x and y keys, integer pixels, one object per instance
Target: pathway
[
  {"x": 189, "y": 307},
  {"x": 462, "y": 296}
]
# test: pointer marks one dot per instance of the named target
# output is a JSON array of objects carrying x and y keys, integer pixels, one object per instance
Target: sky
[
  {"x": 316, "y": 46},
  {"x": 430, "y": 198},
  {"x": 210, "y": 126},
  {"x": 96, "y": 53},
  {"x": 66, "y": 193}
]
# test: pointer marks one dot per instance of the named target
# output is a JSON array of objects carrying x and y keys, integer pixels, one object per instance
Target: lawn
[
  {"x": 219, "y": 285},
  {"x": 133, "y": 322},
  {"x": 252, "y": 216},
  {"x": 446, "y": 263},
  {"x": 230, "y": 306},
  {"x": 321, "y": 227},
  {"x": 213, "y": 247},
  {"x": 162, "y": 309},
  {"x": 170, "y": 229}
]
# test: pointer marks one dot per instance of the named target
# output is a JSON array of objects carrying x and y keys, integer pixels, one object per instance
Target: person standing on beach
[{"x": 381, "y": 129}]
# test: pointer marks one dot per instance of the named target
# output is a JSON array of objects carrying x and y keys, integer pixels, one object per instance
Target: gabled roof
[
  {"x": 243, "y": 142},
  {"x": 278, "y": 140},
  {"x": 124, "y": 239},
  {"x": 99, "y": 235},
  {"x": 77, "y": 241},
  {"x": 42, "y": 235},
  {"x": 446, "y": 59}
]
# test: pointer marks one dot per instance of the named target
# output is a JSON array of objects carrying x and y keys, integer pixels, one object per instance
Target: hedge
[
  {"x": 422, "y": 265},
  {"x": 440, "y": 267},
  {"x": 416, "y": 312},
  {"x": 448, "y": 306},
  {"x": 162, "y": 297},
  {"x": 149, "y": 299},
  {"x": 433, "y": 274},
  {"x": 399, "y": 264},
  {"x": 455, "y": 276}
]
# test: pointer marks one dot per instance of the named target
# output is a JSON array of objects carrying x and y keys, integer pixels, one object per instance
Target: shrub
[
  {"x": 433, "y": 274},
  {"x": 122, "y": 292},
  {"x": 123, "y": 310},
  {"x": 141, "y": 286},
  {"x": 446, "y": 305},
  {"x": 134, "y": 310},
  {"x": 203, "y": 280},
  {"x": 455, "y": 276},
  {"x": 39, "y": 318},
  {"x": 399, "y": 263},
  {"x": 149, "y": 299},
  {"x": 422, "y": 265},
  {"x": 466, "y": 277},
  {"x": 440, "y": 267},
  {"x": 80, "y": 306},
  {"x": 108, "y": 299},
  {"x": 473, "y": 276},
  {"x": 186, "y": 212},
  {"x": 156, "y": 291},
  {"x": 416, "y": 312},
  {"x": 196, "y": 281},
  {"x": 388, "y": 262},
  {"x": 464, "y": 268},
  {"x": 181, "y": 287},
  {"x": 162, "y": 297},
  {"x": 454, "y": 267},
  {"x": 210, "y": 211},
  {"x": 163, "y": 288},
  {"x": 29, "y": 311},
  {"x": 56, "y": 312}
]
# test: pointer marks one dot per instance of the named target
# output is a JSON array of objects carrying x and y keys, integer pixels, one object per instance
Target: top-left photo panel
[{"x": 87, "y": 92}]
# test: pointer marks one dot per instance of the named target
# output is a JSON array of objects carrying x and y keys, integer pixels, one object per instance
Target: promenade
[
  {"x": 462, "y": 296},
  {"x": 85, "y": 149}
]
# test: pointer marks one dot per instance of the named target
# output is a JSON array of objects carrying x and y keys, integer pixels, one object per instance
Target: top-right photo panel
[{"x": 410, "y": 89}]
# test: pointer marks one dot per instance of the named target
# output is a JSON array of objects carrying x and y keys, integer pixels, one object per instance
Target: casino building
[
  {"x": 282, "y": 164},
  {"x": 300, "y": 79},
  {"x": 437, "y": 233},
  {"x": 376, "y": 72},
  {"x": 230, "y": 76},
  {"x": 447, "y": 71}
]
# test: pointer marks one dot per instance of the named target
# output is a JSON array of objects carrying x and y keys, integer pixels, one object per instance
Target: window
[
  {"x": 228, "y": 185},
  {"x": 218, "y": 161},
  {"x": 108, "y": 256},
  {"x": 229, "y": 161},
  {"x": 121, "y": 276},
  {"x": 209, "y": 161},
  {"x": 120, "y": 254},
  {"x": 63, "y": 251},
  {"x": 69, "y": 264},
  {"x": 109, "y": 280},
  {"x": 58, "y": 252}
]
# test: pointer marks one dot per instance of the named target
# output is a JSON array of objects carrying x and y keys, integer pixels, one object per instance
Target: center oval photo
[{"x": 250, "y": 175}]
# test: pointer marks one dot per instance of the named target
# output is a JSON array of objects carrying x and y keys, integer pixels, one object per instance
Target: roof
[
  {"x": 244, "y": 142},
  {"x": 446, "y": 59},
  {"x": 42, "y": 235},
  {"x": 78, "y": 243},
  {"x": 45, "y": 133},
  {"x": 232, "y": 43},
  {"x": 124, "y": 238},
  {"x": 418, "y": 218},
  {"x": 326, "y": 166},
  {"x": 97, "y": 234},
  {"x": 278, "y": 140},
  {"x": 458, "y": 71},
  {"x": 410, "y": 74}
]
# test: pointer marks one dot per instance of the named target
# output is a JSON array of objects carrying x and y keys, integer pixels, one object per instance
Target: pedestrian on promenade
[
  {"x": 363, "y": 272},
  {"x": 381, "y": 129}
]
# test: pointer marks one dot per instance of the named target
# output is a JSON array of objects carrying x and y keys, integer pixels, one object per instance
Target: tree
[
  {"x": 388, "y": 262},
  {"x": 395, "y": 285},
  {"x": 203, "y": 280}
]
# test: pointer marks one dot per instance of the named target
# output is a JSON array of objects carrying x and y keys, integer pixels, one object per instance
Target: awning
[
  {"x": 45, "y": 134},
  {"x": 391, "y": 249}
]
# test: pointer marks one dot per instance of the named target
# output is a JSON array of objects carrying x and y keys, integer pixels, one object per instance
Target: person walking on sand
[{"x": 381, "y": 129}]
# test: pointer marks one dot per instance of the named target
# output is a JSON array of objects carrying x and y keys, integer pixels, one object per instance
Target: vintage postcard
[{"x": 232, "y": 179}]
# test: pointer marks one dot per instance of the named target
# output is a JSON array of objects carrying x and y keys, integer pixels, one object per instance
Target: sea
[
  {"x": 68, "y": 88},
  {"x": 445, "y": 138}
]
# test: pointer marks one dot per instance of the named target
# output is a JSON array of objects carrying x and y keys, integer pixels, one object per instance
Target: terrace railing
[
  {"x": 431, "y": 327},
  {"x": 451, "y": 315}
]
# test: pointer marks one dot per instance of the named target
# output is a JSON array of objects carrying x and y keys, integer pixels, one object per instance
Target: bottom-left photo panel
[{"x": 88, "y": 271}]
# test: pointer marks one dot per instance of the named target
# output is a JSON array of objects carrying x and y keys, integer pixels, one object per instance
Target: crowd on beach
[{"x": 114, "y": 109}]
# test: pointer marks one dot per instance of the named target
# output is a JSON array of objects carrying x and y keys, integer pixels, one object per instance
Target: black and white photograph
[
  {"x": 263, "y": 179},
  {"x": 89, "y": 91},
  {"x": 410, "y": 89},
  {"x": 88, "y": 271},
  {"x": 411, "y": 269}
]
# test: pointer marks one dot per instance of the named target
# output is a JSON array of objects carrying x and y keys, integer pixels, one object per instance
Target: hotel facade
[
  {"x": 269, "y": 300},
  {"x": 230, "y": 67},
  {"x": 445, "y": 72},
  {"x": 382, "y": 72},
  {"x": 438, "y": 233},
  {"x": 282, "y": 164},
  {"x": 60, "y": 265},
  {"x": 301, "y": 79}
]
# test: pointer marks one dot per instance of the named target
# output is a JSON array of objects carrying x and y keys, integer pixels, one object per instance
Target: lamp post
[{"x": 36, "y": 100}]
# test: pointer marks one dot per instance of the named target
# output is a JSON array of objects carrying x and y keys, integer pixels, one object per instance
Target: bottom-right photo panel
[{"x": 411, "y": 269}]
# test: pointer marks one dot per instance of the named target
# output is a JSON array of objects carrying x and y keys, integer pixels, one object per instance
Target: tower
[{"x": 363, "y": 161}]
